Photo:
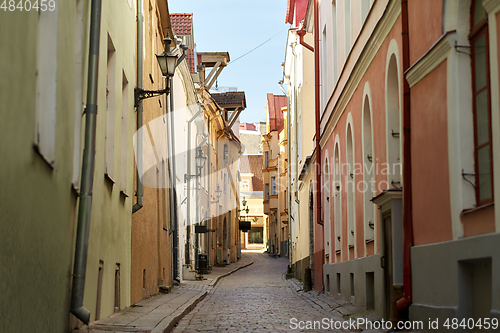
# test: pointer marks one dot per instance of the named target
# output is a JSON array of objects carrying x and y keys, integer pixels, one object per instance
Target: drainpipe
[
  {"x": 317, "y": 124},
  {"x": 88, "y": 164},
  {"x": 288, "y": 156},
  {"x": 188, "y": 181},
  {"x": 173, "y": 182},
  {"x": 301, "y": 34},
  {"x": 140, "y": 45},
  {"x": 405, "y": 302}
]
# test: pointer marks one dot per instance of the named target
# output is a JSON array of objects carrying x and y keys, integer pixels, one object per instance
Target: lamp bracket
[{"x": 140, "y": 94}]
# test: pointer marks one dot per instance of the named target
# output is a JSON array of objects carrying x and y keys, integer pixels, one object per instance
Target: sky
[{"x": 237, "y": 27}]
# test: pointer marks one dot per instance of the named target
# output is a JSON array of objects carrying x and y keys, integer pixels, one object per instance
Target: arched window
[
  {"x": 327, "y": 208},
  {"x": 481, "y": 95},
  {"x": 334, "y": 44},
  {"x": 347, "y": 26},
  {"x": 368, "y": 172},
  {"x": 337, "y": 203},
  {"x": 351, "y": 186},
  {"x": 394, "y": 166}
]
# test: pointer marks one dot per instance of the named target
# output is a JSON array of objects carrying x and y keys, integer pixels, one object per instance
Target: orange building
[
  {"x": 407, "y": 204},
  {"x": 277, "y": 229}
]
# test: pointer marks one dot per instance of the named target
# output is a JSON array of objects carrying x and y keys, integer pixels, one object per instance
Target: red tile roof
[
  {"x": 231, "y": 98},
  {"x": 275, "y": 116},
  {"x": 256, "y": 168},
  {"x": 253, "y": 164},
  {"x": 182, "y": 23},
  {"x": 248, "y": 126},
  {"x": 190, "y": 60}
]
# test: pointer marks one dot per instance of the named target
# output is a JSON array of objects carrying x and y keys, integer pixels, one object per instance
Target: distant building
[{"x": 274, "y": 155}]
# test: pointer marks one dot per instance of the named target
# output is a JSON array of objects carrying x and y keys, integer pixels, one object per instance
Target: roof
[
  {"x": 182, "y": 23},
  {"x": 248, "y": 127},
  {"x": 190, "y": 60},
  {"x": 274, "y": 114},
  {"x": 230, "y": 99},
  {"x": 253, "y": 164},
  {"x": 295, "y": 11}
]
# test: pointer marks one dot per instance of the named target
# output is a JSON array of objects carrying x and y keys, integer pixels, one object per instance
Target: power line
[{"x": 255, "y": 48}]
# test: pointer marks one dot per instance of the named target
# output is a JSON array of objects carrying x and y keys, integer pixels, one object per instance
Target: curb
[
  {"x": 166, "y": 327},
  {"x": 214, "y": 282}
]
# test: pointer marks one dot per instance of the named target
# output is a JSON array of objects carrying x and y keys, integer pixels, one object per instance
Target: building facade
[
  {"x": 251, "y": 187},
  {"x": 274, "y": 154},
  {"x": 406, "y": 223}
]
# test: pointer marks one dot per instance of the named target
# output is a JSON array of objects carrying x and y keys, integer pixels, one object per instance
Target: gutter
[
  {"x": 288, "y": 156},
  {"x": 140, "y": 50},
  {"x": 188, "y": 181},
  {"x": 301, "y": 34},
  {"x": 173, "y": 192},
  {"x": 404, "y": 303},
  {"x": 317, "y": 114},
  {"x": 88, "y": 166}
]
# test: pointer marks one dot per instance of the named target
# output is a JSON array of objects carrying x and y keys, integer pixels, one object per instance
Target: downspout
[
  {"x": 317, "y": 125},
  {"x": 188, "y": 181},
  {"x": 88, "y": 165},
  {"x": 140, "y": 50},
  {"x": 288, "y": 156},
  {"x": 173, "y": 183},
  {"x": 301, "y": 34},
  {"x": 405, "y": 302}
]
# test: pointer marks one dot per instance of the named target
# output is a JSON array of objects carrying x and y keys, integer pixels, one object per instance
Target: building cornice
[
  {"x": 432, "y": 59},
  {"x": 375, "y": 42},
  {"x": 491, "y": 6}
]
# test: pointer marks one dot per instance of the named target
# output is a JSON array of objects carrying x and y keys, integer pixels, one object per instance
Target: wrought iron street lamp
[
  {"x": 167, "y": 63},
  {"x": 200, "y": 159}
]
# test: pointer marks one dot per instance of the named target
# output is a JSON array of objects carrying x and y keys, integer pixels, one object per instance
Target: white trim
[
  {"x": 340, "y": 228},
  {"x": 460, "y": 133},
  {"x": 367, "y": 94},
  {"x": 351, "y": 239},
  {"x": 327, "y": 221},
  {"x": 393, "y": 50},
  {"x": 370, "y": 50},
  {"x": 493, "y": 7},
  {"x": 432, "y": 59}
]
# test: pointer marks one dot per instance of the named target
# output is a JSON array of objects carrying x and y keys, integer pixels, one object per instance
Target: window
[
  {"x": 273, "y": 186},
  {"x": 267, "y": 193},
  {"x": 225, "y": 183},
  {"x": 347, "y": 18},
  {"x": 226, "y": 153},
  {"x": 78, "y": 94},
  {"x": 124, "y": 138},
  {"x": 110, "y": 110},
  {"x": 334, "y": 42},
  {"x": 46, "y": 85},
  {"x": 324, "y": 65},
  {"x": 483, "y": 156},
  {"x": 365, "y": 9},
  {"x": 245, "y": 185},
  {"x": 267, "y": 159}
]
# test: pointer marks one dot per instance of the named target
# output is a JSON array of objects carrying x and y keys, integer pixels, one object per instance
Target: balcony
[
  {"x": 267, "y": 211},
  {"x": 273, "y": 202},
  {"x": 284, "y": 217}
]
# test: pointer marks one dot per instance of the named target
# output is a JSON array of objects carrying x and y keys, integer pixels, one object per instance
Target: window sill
[
  {"x": 49, "y": 163},
  {"x": 109, "y": 178},
  {"x": 475, "y": 209}
]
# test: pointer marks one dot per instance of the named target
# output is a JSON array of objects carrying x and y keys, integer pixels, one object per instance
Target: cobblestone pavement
[{"x": 258, "y": 299}]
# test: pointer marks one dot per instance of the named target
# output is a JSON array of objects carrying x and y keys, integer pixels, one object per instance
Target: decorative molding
[
  {"x": 375, "y": 42},
  {"x": 432, "y": 59},
  {"x": 491, "y": 6}
]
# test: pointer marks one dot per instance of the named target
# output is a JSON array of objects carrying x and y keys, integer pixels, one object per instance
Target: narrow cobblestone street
[{"x": 257, "y": 299}]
